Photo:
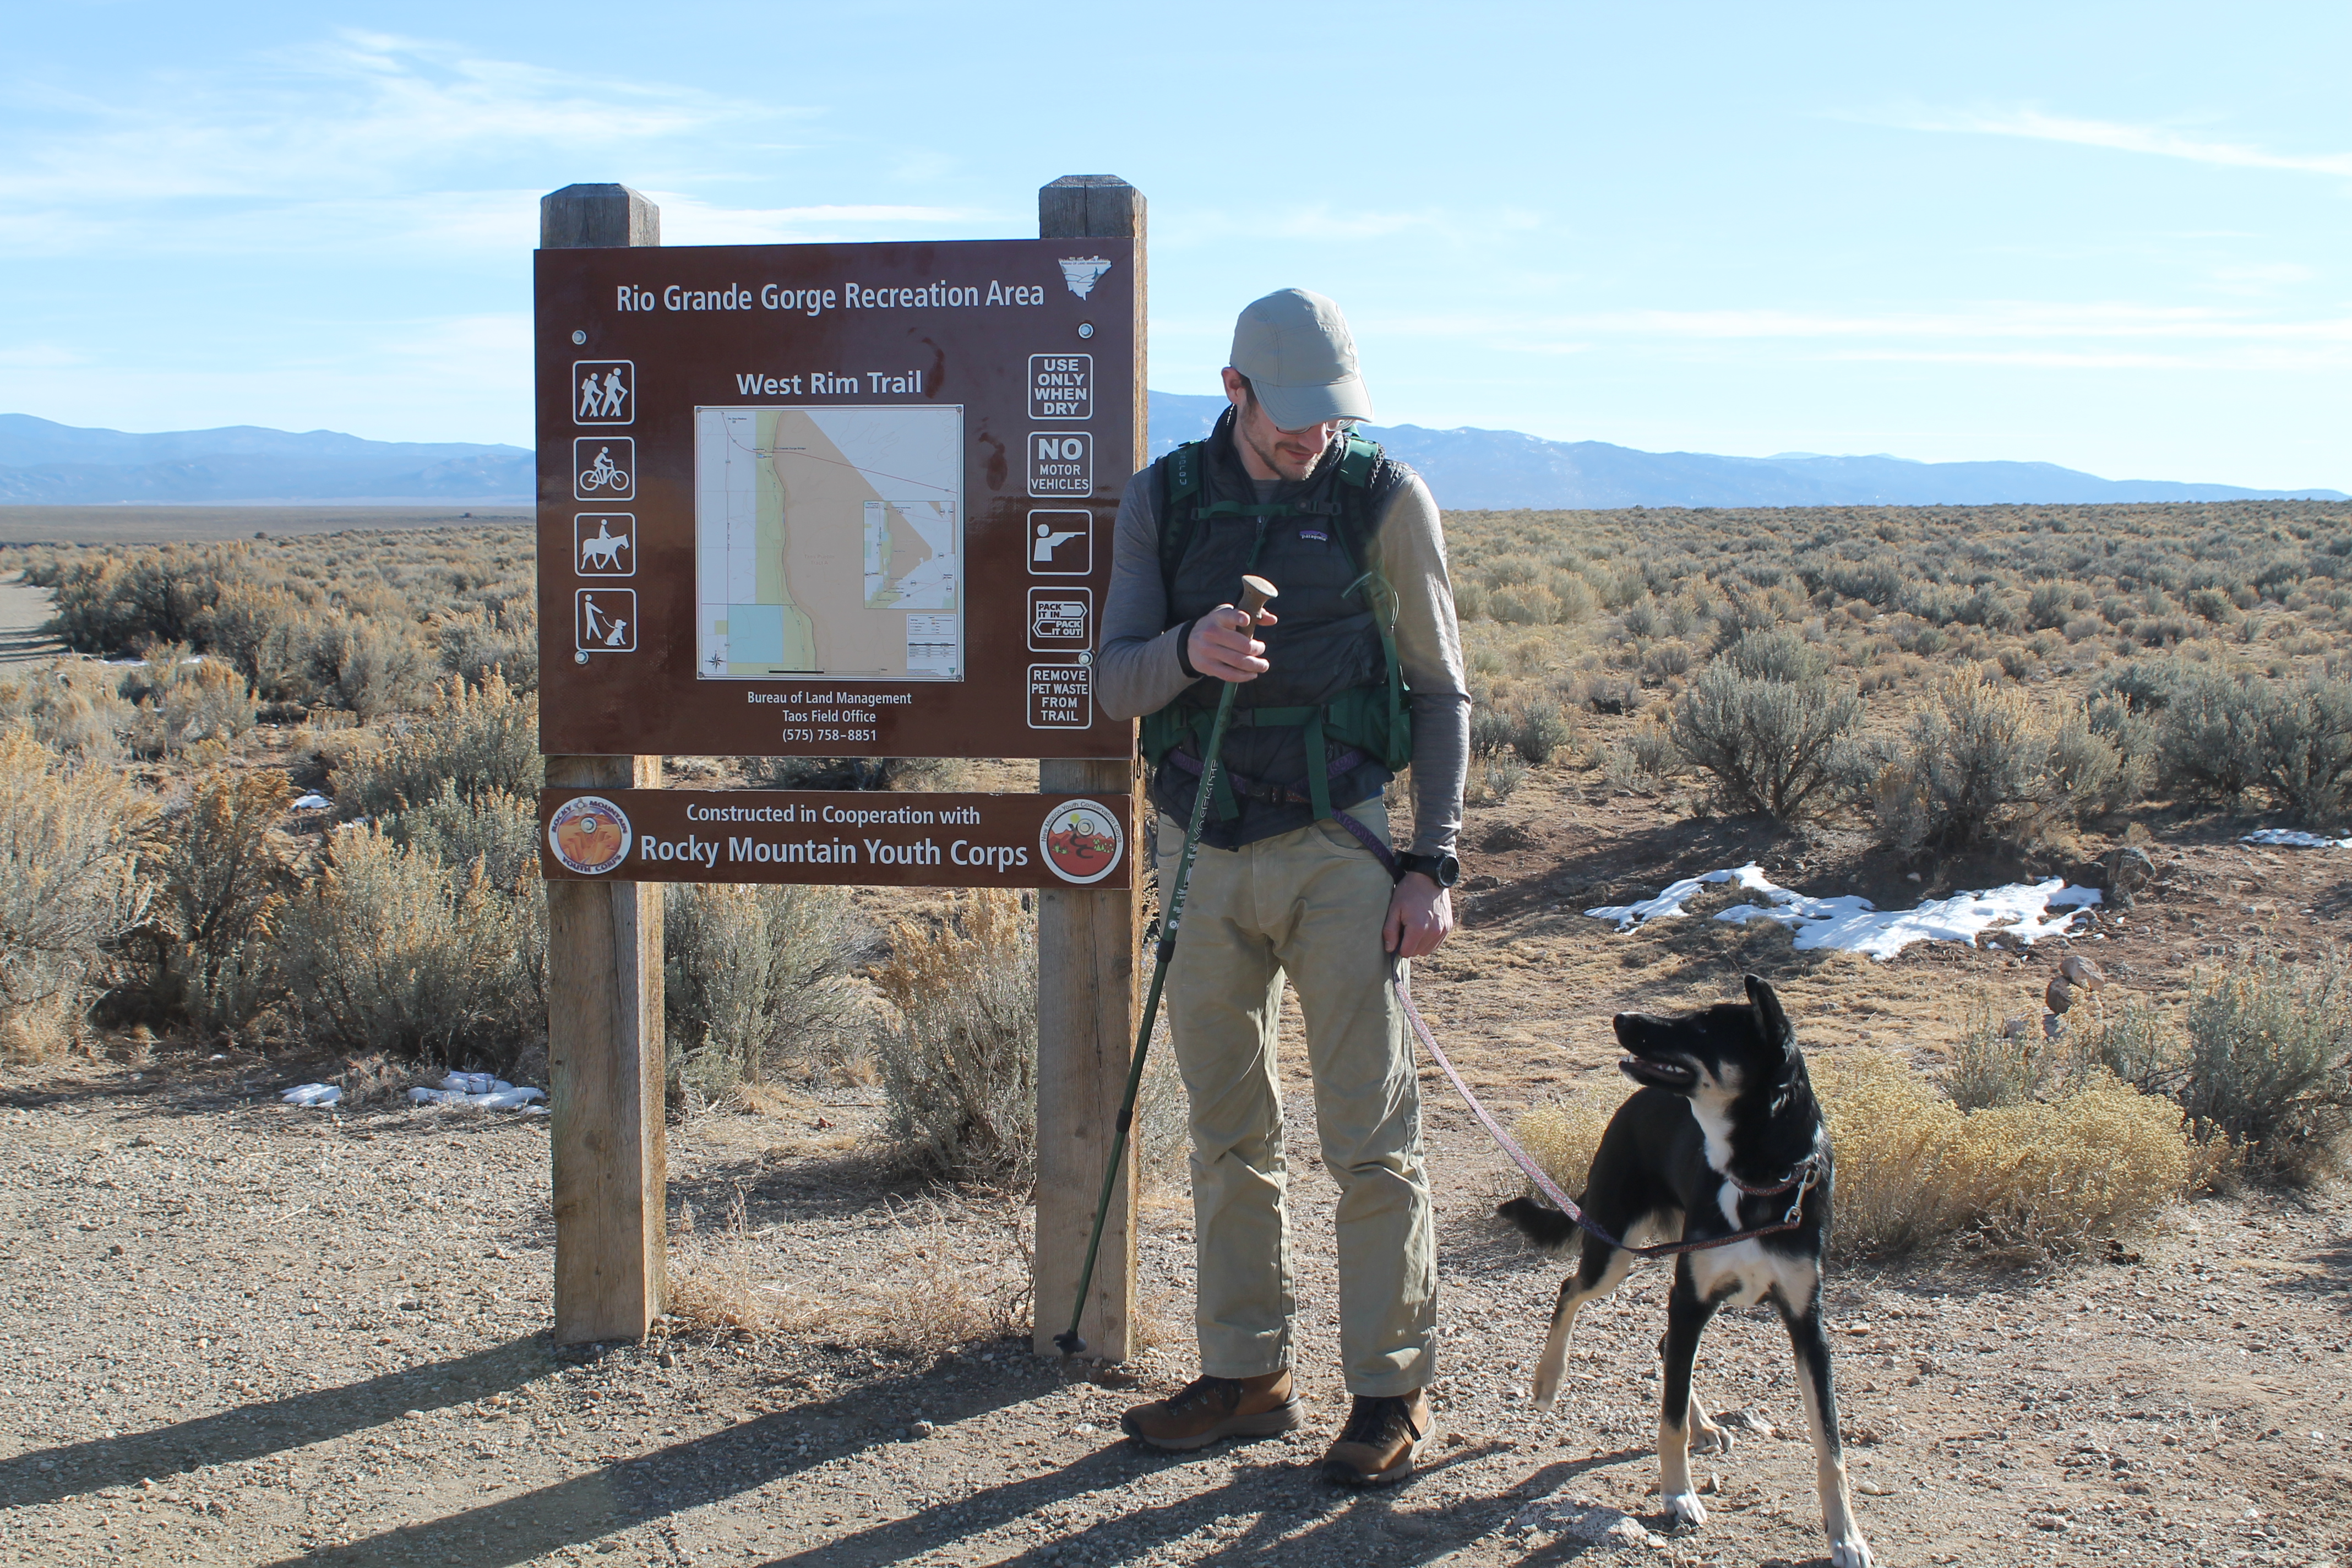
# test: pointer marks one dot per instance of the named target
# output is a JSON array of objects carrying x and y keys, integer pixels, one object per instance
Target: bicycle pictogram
[{"x": 605, "y": 468}]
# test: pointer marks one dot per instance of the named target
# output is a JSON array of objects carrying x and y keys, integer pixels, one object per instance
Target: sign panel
[
  {"x": 837, "y": 837},
  {"x": 831, "y": 499}
]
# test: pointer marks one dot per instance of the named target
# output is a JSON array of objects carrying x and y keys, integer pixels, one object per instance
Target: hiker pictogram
[
  {"x": 603, "y": 391},
  {"x": 604, "y": 544},
  {"x": 605, "y": 468},
  {"x": 606, "y": 620}
]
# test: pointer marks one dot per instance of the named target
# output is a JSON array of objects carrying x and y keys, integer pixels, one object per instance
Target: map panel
[{"x": 829, "y": 542}]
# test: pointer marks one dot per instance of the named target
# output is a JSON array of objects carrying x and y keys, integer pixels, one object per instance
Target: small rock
[
  {"x": 2081, "y": 971},
  {"x": 2055, "y": 1522},
  {"x": 1870, "y": 1486},
  {"x": 2060, "y": 995},
  {"x": 919, "y": 1430},
  {"x": 666, "y": 1359},
  {"x": 2052, "y": 1025},
  {"x": 2015, "y": 1028},
  {"x": 115, "y": 1250}
]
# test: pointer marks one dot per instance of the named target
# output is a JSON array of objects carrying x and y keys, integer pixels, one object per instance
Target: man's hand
[
  {"x": 1421, "y": 915},
  {"x": 1221, "y": 645}
]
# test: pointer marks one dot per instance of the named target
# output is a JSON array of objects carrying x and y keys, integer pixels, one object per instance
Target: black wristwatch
[{"x": 1443, "y": 869}]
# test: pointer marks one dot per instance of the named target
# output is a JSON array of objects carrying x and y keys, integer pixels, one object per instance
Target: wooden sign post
[
  {"x": 1087, "y": 945},
  {"x": 831, "y": 500},
  {"x": 604, "y": 1041}
]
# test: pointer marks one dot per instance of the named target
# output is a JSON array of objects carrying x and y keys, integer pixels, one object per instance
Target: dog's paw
[
  {"x": 1686, "y": 1509},
  {"x": 1707, "y": 1438},
  {"x": 1544, "y": 1400},
  {"x": 1852, "y": 1552}
]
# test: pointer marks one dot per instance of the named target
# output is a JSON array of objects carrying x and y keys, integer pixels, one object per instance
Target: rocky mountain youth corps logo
[
  {"x": 1081, "y": 841},
  {"x": 589, "y": 835}
]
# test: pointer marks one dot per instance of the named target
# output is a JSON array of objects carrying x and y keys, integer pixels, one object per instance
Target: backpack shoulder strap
[{"x": 1182, "y": 476}]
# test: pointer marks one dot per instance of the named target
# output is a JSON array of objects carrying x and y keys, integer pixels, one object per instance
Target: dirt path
[
  {"x": 24, "y": 610},
  {"x": 237, "y": 1332}
]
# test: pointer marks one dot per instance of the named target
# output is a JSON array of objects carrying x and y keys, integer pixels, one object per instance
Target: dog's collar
[{"x": 1800, "y": 1178}]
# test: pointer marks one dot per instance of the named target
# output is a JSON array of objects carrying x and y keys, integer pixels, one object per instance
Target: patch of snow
[
  {"x": 478, "y": 1089},
  {"x": 316, "y": 1095},
  {"x": 2295, "y": 839},
  {"x": 1853, "y": 924},
  {"x": 314, "y": 800}
]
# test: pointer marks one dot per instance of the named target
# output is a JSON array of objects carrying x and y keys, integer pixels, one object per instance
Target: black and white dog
[{"x": 1723, "y": 1136}]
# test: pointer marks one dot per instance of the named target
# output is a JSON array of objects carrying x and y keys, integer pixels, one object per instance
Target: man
[{"x": 1354, "y": 673}]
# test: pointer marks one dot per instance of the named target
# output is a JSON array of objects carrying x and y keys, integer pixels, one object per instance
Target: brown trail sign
[{"x": 831, "y": 500}]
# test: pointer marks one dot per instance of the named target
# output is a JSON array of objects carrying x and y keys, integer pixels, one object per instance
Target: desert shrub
[
  {"x": 1524, "y": 604},
  {"x": 484, "y": 739},
  {"x": 71, "y": 708},
  {"x": 501, "y": 637},
  {"x": 1469, "y": 599},
  {"x": 757, "y": 980},
  {"x": 1989, "y": 1067},
  {"x": 2210, "y": 745},
  {"x": 1913, "y": 1169},
  {"x": 2269, "y": 1063},
  {"x": 1492, "y": 728},
  {"x": 855, "y": 772},
  {"x": 370, "y": 667},
  {"x": 1666, "y": 660},
  {"x": 1573, "y": 600},
  {"x": 183, "y": 701},
  {"x": 2223, "y": 735},
  {"x": 1768, "y": 724},
  {"x": 1501, "y": 777},
  {"x": 1981, "y": 762},
  {"x": 2306, "y": 749},
  {"x": 1539, "y": 729},
  {"x": 492, "y": 828},
  {"x": 958, "y": 1061},
  {"x": 222, "y": 876},
  {"x": 389, "y": 950},
  {"x": 70, "y": 886}
]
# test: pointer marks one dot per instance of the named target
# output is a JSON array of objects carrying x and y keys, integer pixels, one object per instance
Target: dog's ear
[{"x": 1770, "y": 1022}]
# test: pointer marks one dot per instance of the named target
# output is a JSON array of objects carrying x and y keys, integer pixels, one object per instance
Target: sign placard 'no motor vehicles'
[{"x": 831, "y": 499}]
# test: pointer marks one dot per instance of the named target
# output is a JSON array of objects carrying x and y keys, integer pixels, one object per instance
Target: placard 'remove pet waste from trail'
[{"x": 831, "y": 481}]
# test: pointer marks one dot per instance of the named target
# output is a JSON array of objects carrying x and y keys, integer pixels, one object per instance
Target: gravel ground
[{"x": 238, "y": 1332}]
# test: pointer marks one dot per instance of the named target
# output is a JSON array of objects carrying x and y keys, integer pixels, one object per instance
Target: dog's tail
[{"x": 1540, "y": 1222}]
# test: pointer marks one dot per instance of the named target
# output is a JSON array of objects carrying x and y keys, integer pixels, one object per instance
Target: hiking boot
[
  {"x": 1377, "y": 1445},
  {"x": 1209, "y": 1408}
]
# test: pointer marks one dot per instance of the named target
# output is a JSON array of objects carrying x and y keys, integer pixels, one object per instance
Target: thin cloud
[
  {"x": 687, "y": 220},
  {"x": 2033, "y": 125}
]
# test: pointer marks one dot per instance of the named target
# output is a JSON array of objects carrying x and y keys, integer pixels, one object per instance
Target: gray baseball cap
[{"x": 1296, "y": 350}]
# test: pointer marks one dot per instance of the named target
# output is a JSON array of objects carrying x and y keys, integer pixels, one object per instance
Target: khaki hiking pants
[{"x": 1308, "y": 905}]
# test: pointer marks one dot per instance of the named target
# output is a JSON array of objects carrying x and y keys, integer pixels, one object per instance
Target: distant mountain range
[
  {"x": 62, "y": 465},
  {"x": 1502, "y": 468}
]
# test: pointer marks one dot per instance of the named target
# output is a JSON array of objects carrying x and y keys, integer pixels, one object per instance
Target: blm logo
[{"x": 1061, "y": 463}]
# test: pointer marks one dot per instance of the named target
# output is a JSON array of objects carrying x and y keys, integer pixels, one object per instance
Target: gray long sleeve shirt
[{"x": 1138, "y": 670}]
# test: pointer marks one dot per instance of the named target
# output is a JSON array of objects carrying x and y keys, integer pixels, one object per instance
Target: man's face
[{"x": 1268, "y": 452}]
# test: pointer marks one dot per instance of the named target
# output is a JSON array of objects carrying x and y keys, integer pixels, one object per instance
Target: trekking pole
[{"x": 1256, "y": 592}]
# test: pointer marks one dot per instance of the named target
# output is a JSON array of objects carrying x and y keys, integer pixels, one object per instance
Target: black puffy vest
[{"x": 1333, "y": 687}]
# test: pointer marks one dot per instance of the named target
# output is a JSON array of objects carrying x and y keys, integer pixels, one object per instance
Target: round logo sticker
[
  {"x": 589, "y": 835},
  {"x": 1082, "y": 841}
]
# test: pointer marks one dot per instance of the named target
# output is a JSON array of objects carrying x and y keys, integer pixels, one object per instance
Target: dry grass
[
  {"x": 1914, "y": 1170},
  {"x": 954, "y": 1273}
]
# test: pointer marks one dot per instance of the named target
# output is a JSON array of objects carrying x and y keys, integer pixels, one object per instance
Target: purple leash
[{"x": 1801, "y": 1180}]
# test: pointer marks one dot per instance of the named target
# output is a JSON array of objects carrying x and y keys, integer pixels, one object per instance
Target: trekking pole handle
[{"x": 1256, "y": 592}]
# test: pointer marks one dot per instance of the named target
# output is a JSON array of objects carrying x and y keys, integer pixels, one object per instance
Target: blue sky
[{"x": 2110, "y": 236}]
